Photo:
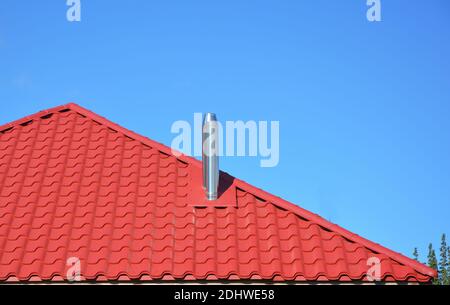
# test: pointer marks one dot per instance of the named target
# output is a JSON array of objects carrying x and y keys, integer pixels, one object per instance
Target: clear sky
[{"x": 363, "y": 107}]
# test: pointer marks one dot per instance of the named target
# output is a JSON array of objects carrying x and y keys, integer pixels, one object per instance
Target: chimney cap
[{"x": 210, "y": 116}]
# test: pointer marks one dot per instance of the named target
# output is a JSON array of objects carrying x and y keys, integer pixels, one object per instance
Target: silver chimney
[{"x": 210, "y": 155}]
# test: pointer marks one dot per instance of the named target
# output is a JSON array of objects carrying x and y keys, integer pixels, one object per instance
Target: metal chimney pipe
[{"x": 210, "y": 155}]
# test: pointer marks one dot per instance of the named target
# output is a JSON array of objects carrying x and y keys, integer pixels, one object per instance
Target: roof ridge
[
  {"x": 299, "y": 211},
  {"x": 135, "y": 136},
  {"x": 33, "y": 116},
  {"x": 275, "y": 200}
]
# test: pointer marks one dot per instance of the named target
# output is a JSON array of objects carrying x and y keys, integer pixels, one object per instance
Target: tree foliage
[
  {"x": 448, "y": 265},
  {"x": 443, "y": 262},
  {"x": 416, "y": 254},
  {"x": 442, "y": 266},
  {"x": 432, "y": 262}
]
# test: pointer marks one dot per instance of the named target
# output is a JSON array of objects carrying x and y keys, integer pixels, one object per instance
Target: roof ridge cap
[
  {"x": 105, "y": 122},
  {"x": 135, "y": 136},
  {"x": 34, "y": 116}
]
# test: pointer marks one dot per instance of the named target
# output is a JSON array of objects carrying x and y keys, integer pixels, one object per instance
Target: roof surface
[{"x": 73, "y": 184}]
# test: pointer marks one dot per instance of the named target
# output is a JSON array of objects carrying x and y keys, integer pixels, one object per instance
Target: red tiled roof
[{"x": 73, "y": 184}]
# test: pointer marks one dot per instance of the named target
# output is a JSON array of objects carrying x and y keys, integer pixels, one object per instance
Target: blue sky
[{"x": 363, "y": 107}]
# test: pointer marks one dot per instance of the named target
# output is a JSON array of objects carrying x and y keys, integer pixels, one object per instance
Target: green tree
[
  {"x": 416, "y": 254},
  {"x": 443, "y": 262},
  {"x": 432, "y": 262},
  {"x": 448, "y": 264}
]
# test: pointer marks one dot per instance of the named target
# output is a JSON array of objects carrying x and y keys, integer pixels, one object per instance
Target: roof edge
[{"x": 278, "y": 201}]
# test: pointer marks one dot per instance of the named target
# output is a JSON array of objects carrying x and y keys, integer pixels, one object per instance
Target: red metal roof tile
[{"x": 73, "y": 184}]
